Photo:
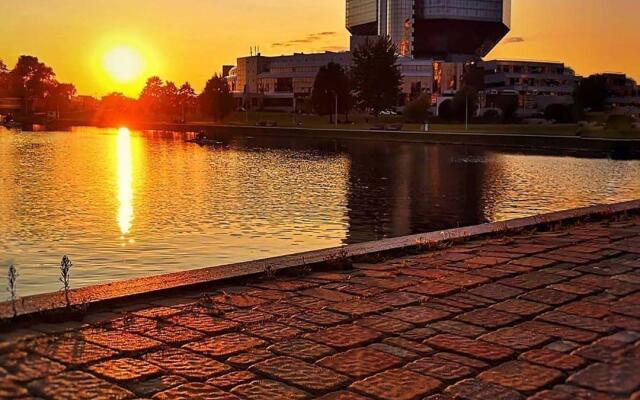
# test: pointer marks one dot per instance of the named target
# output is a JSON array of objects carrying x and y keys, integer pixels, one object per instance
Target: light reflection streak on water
[{"x": 125, "y": 181}]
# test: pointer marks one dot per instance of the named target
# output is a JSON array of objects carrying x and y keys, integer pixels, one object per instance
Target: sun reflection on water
[{"x": 125, "y": 181}]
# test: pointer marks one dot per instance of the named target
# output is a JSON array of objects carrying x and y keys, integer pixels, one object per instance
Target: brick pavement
[{"x": 546, "y": 315}]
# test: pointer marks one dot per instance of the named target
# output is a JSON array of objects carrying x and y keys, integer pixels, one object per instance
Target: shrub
[
  {"x": 491, "y": 116},
  {"x": 560, "y": 113},
  {"x": 619, "y": 122},
  {"x": 445, "y": 111},
  {"x": 417, "y": 111}
]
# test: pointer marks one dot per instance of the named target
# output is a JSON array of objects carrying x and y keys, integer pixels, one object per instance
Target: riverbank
[
  {"x": 543, "y": 307},
  {"x": 550, "y": 138}
]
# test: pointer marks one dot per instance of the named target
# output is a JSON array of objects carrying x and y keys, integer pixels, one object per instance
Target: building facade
[
  {"x": 285, "y": 82},
  {"x": 623, "y": 91},
  {"x": 450, "y": 30},
  {"x": 536, "y": 84}
]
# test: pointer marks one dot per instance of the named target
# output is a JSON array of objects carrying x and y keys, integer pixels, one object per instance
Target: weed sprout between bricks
[
  {"x": 65, "y": 268},
  {"x": 12, "y": 287}
]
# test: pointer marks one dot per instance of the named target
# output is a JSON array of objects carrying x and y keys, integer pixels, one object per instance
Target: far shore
[{"x": 561, "y": 139}]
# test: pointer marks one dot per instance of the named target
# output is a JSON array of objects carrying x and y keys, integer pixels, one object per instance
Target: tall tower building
[{"x": 450, "y": 30}]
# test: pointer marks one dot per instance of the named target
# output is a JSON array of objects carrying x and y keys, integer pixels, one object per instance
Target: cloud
[
  {"x": 513, "y": 39},
  {"x": 335, "y": 48},
  {"x": 310, "y": 38}
]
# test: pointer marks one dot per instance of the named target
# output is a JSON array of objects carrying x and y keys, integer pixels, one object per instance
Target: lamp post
[
  {"x": 336, "y": 118},
  {"x": 466, "y": 112}
]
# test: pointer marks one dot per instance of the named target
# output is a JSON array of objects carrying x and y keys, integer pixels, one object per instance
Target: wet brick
[
  {"x": 397, "y": 384},
  {"x": 307, "y": 376},
  {"x": 344, "y": 336},
  {"x": 225, "y": 345},
  {"x": 78, "y": 385},
  {"x": 265, "y": 389},
  {"x": 472, "y": 348},
  {"x": 521, "y": 307},
  {"x": 125, "y": 369},
  {"x": 360, "y": 363},
  {"x": 553, "y": 359},
  {"x": 521, "y": 376},
  {"x": 185, "y": 363},
  {"x": 516, "y": 338},
  {"x": 197, "y": 390},
  {"x": 301, "y": 348},
  {"x": 488, "y": 318},
  {"x": 441, "y": 368},
  {"x": 418, "y": 315}
]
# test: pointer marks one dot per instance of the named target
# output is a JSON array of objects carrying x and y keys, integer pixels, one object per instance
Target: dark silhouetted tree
[
  {"x": 591, "y": 93},
  {"x": 331, "y": 82},
  {"x": 216, "y": 100},
  {"x": 376, "y": 77},
  {"x": 445, "y": 110},
  {"x": 464, "y": 101},
  {"x": 170, "y": 101},
  {"x": 473, "y": 77},
  {"x": 418, "y": 110},
  {"x": 152, "y": 97},
  {"x": 59, "y": 98},
  {"x": 32, "y": 80},
  {"x": 4, "y": 79},
  {"x": 560, "y": 113},
  {"x": 187, "y": 99}
]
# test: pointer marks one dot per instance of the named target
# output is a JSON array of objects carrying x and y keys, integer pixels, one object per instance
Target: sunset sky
[{"x": 189, "y": 40}]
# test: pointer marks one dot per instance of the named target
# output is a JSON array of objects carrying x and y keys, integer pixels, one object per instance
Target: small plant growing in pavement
[
  {"x": 65, "y": 277},
  {"x": 12, "y": 281},
  {"x": 339, "y": 260},
  {"x": 269, "y": 272}
]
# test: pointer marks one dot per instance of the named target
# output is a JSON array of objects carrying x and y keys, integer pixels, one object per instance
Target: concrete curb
[{"x": 99, "y": 295}]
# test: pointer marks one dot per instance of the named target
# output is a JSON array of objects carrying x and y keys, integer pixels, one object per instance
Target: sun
[{"x": 123, "y": 63}]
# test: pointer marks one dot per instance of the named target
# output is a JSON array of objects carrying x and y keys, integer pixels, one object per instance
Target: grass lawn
[{"x": 364, "y": 122}]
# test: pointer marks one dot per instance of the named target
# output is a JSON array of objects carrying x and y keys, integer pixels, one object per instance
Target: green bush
[
  {"x": 619, "y": 122},
  {"x": 445, "y": 111},
  {"x": 560, "y": 113},
  {"x": 492, "y": 116},
  {"x": 417, "y": 111}
]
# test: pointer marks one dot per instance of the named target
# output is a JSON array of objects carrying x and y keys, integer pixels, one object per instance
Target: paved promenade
[{"x": 547, "y": 315}]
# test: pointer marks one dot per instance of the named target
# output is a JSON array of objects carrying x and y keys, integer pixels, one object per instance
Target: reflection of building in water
[{"x": 400, "y": 189}]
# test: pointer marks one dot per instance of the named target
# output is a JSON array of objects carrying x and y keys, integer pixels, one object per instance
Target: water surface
[{"x": 126, "y": 204}]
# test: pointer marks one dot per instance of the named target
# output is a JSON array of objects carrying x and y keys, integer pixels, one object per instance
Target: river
[{"x": 124, "y": 204}]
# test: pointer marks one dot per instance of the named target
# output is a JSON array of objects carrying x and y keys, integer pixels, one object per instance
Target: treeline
[
  {"x": 162, "y": 100},
  {"x": 35, "y": 83}
]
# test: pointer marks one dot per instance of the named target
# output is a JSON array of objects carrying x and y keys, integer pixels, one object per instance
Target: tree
[
  {"x": 32, "y": 80},
  {"x": 464, "y": 103},
  {"x": 152, "y": 96},
  {"x": 376, "y": 76},
  {"x": 560, "y": 113},
  {"x": 418, "y": 110},
  {"x": 4, "y": 79},
  {"x": 473, "y": 76},
  {"x": 591, "y": 93},
  {"x": 187, "y": 99},
  {"x": 59, "y": 98},
  {"x": 169, "y": 101},
  {"x": 445, "y": 110},
  {"x": 331, "y": 84},
  {"x": 216, "y": 100}
]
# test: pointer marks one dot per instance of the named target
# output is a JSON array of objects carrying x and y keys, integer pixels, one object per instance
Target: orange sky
[{"x": 189, "y": 40}]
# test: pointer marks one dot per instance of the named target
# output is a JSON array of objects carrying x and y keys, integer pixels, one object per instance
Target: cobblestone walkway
[{"x": 552, "y": 315}]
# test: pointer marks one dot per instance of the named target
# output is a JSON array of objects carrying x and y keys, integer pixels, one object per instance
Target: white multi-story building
[{"x": 284, "y": 82}]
